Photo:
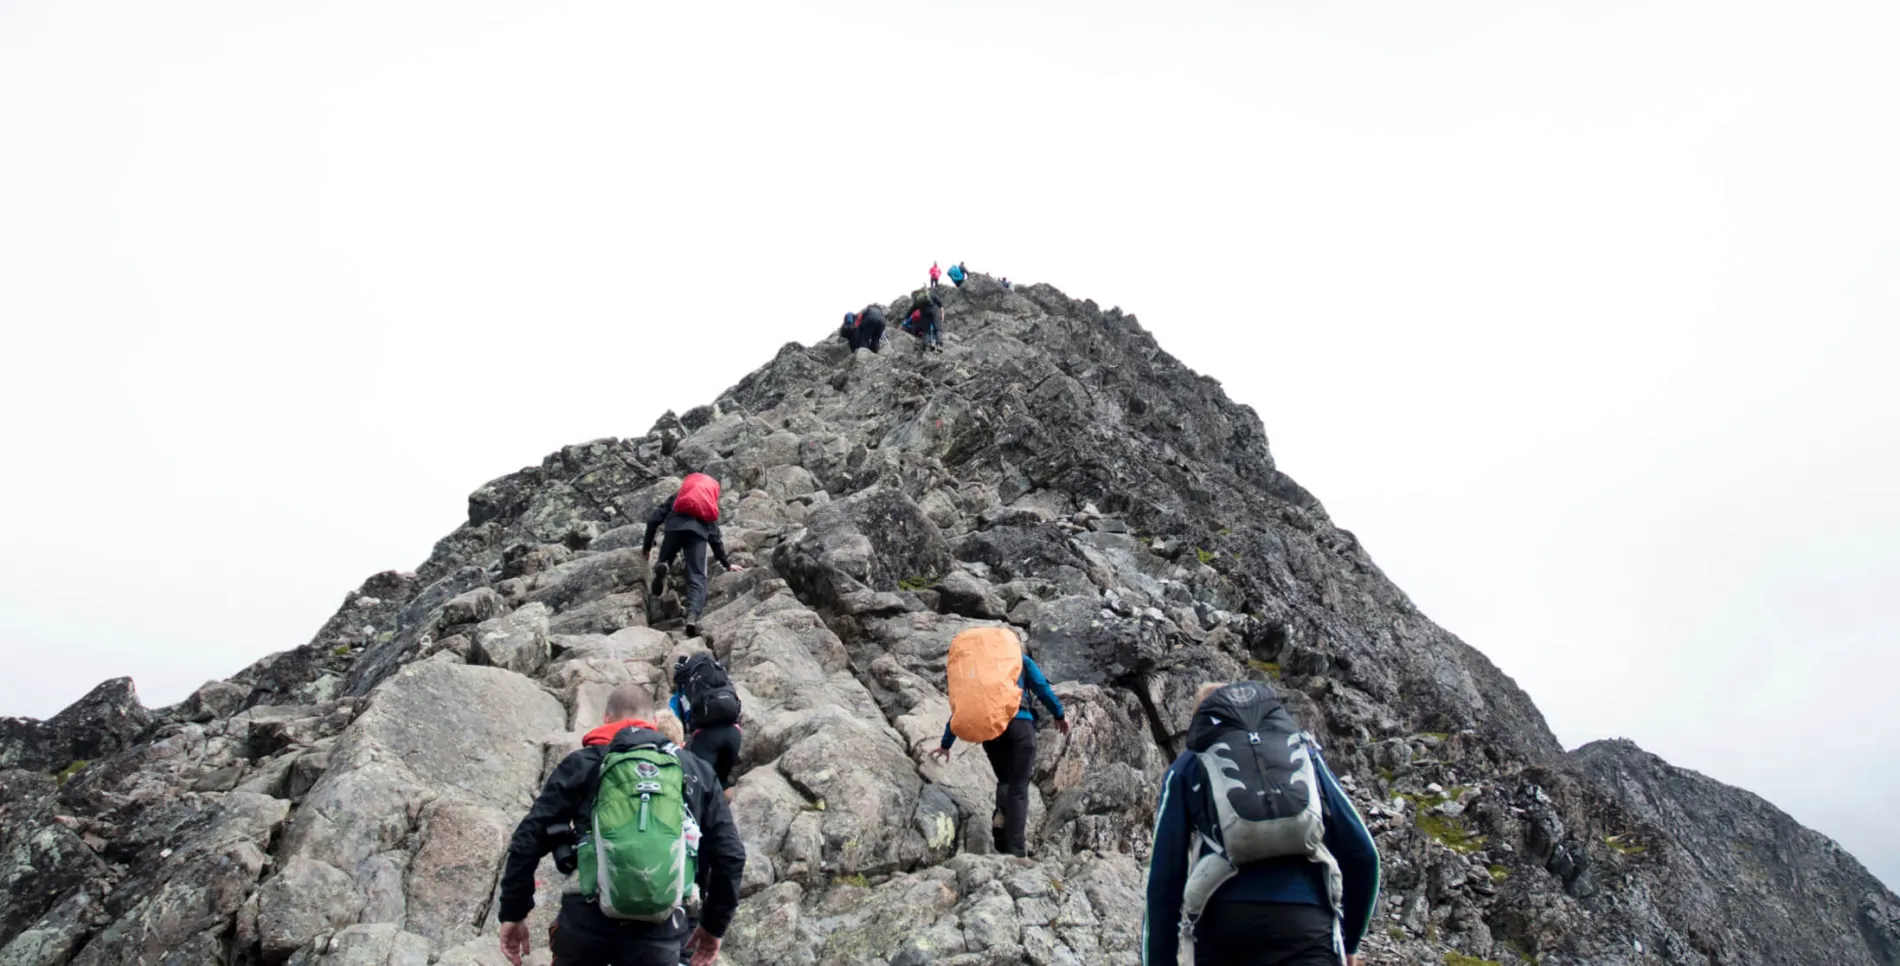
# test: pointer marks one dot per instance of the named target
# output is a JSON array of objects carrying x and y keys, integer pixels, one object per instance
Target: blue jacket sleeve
[
  {"x": 673, "y": 705},
  {"x": 1167, "y": 875},
  {"x": 1351, "y": 845},
  {"x": 948, "y": 738},
  {"x": 1032, "y": 675}
]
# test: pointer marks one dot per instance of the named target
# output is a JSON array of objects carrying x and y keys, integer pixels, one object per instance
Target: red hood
[{"x": 604, "y": 735}]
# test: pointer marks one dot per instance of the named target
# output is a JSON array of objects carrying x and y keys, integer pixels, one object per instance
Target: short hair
[
  {"x": 669, "y": 725},
  {"x": 1207, "y": 691},
  {"x": 629, "y": 701}
]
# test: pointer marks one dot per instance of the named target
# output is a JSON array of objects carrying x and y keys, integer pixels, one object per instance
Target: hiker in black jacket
[
  {"x": 929, "y": 323},
  {"x": 870, "y": 328},
  {"x": 691, "y": 519},
  {"x": 583, "y": 935}
]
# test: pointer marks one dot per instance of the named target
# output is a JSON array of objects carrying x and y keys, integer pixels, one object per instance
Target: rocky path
[{"x": 348, "y": 802}]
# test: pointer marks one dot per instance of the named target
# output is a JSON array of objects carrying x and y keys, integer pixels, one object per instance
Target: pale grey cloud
[{"x": 1579, "y": 315}]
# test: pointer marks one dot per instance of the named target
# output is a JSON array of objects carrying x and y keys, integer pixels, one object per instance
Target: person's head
[
  {"x": 669, "y": 725},
  {"x": 629, "y": 701},
  {"x": 1206, "y": 691}
]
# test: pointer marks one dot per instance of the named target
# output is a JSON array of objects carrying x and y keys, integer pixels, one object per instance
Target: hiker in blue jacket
[
  {"x": 1012, "y": 756},
  {"x": 957, "y": 274},
  {"x": 1289, "y": 910}
]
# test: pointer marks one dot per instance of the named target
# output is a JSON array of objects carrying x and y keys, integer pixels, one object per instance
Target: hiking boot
[
  {"x": 659, "y": 580},
  {"x": 692, "y": 627}
]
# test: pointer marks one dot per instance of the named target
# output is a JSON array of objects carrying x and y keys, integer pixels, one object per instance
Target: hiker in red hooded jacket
[
  {"x": 935, "y": 274},
  {"x": 691, "y": 519}
]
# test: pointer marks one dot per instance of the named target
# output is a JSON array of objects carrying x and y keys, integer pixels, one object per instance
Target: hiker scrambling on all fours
[
  {"x": 990, "y": 681},
  {"x": 628, "y": 802},
  {"x": 1259, "y": 858},
  {"x": 935, "y": 273},
  {"x": 691, "y": 519},
  {"x": 957, "y": 274},
  {"x": 867, "y": 328}
]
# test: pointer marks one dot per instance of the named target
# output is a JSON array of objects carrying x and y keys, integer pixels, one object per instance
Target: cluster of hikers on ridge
[
  {"x": 922, "y": 316},
  {"x": 1258, "y": 858}
]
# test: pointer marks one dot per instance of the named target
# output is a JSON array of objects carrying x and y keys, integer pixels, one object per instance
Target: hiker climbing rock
[
  {"x": 1259, "y": 859},
  {"x": 990, "y": 681},
  {"x": 628, "y": 801},
  {"x": 935, "y": 273},
  {"x": 691, "y": 519},
  {"x": 708, "y": 708},
  {"x": 849, "y": 330},
  {"x": 870, "y": 328},
  {"x": 926, "y": 319},
  {"x": 957, "y": 274}
]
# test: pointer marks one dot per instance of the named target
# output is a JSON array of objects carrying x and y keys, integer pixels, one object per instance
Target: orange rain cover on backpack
[
  {"x": 986, "y": 664},
  {"x": 698, "y": 498}
]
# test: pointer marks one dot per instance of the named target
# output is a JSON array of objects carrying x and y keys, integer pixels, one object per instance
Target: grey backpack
[{"x": 1264, "y": 789}]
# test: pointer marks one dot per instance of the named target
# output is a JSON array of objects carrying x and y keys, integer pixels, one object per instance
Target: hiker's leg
[
  {"x": 719, "y": 747},
  {"x": 669, "y": 549},
  {"x": 997, "y": 751},
  {"x": 1020, "y": 752},
  {"x": 695, "y": 554}
]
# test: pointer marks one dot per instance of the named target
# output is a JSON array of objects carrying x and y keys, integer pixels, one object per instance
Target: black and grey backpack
[{"x": 1264, "y": 791}]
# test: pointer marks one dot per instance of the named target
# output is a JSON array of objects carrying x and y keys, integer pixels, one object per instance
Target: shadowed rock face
[{"x": 349, "y": 801}]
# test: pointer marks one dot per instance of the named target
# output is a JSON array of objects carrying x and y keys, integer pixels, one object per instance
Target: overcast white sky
[{"x": 1582, "y": 316}]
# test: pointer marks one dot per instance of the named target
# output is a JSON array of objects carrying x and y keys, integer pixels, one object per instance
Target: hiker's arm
[
  {"x": 948, "y": 738},
  {"x": 718, "y": 544},
  {"x": 1358, "y": 858},
  {"x": 553, "y": 809},
  {"x": 1167, "y": 877},
  {"x": 1040, "y": 685},
  {"x": 654, "y": 519},
  {"x": 720, "y": 847}
]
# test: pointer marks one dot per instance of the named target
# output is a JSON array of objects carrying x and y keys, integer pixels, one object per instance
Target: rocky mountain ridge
[{"x": 347, "y": 802}]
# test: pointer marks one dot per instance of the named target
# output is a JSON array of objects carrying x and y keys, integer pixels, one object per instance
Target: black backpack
[
  {"x": 706, "y": 692},
  {"x": 1263, "y": 787}
]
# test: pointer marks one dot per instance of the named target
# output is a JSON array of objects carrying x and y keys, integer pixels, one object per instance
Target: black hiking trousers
[
  {"x": 1266, "y": 934},
  {"x": 1012, "y": 756},
  {"x": 692, "y": 547},
  {"x": 585, "y": 937},
  {"x": 870, "y": 336},
  {"x": 719, "y": 747}
]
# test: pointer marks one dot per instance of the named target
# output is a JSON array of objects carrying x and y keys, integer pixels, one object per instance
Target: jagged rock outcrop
[{"x": 347, "y": 802}]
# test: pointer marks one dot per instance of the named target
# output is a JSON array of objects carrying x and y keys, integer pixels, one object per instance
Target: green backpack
[{"x": 641, "y": 855}]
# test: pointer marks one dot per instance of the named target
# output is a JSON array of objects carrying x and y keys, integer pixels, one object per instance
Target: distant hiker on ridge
[
  {"x": 926, "y": 319},
  {"x": 691, "y": 519},
  {"x": 1259, "y": 858},
  {"x": 870, "y": 328},
  {"x": 935, "y": 273},
  {"x": 957, "y": 274},
  {"x": 989, "y": 703},
  {"x": 651, "y": 806}
]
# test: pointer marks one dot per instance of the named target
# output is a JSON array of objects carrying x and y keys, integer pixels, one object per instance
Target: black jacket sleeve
[
  {"x": 654, "y": 519},
  {"x": 718, "y": 544},
  {"x": 721, "y": 853},
  {"x": 553, "y": 812}
]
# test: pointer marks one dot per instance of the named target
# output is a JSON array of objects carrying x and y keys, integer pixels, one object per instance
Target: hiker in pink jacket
[{"x": 935, "y": 273}]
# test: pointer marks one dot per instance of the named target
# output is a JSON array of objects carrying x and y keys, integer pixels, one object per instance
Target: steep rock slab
[{"x": 419, "y": 789}]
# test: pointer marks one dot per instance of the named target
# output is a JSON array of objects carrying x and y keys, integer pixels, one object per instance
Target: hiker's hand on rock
[
  {"x": 514, "y": 941},
  {"x": 704, "y": 947},
  {"x": 940, "y": 753},
  {"x": 1062, "y": 726}
]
